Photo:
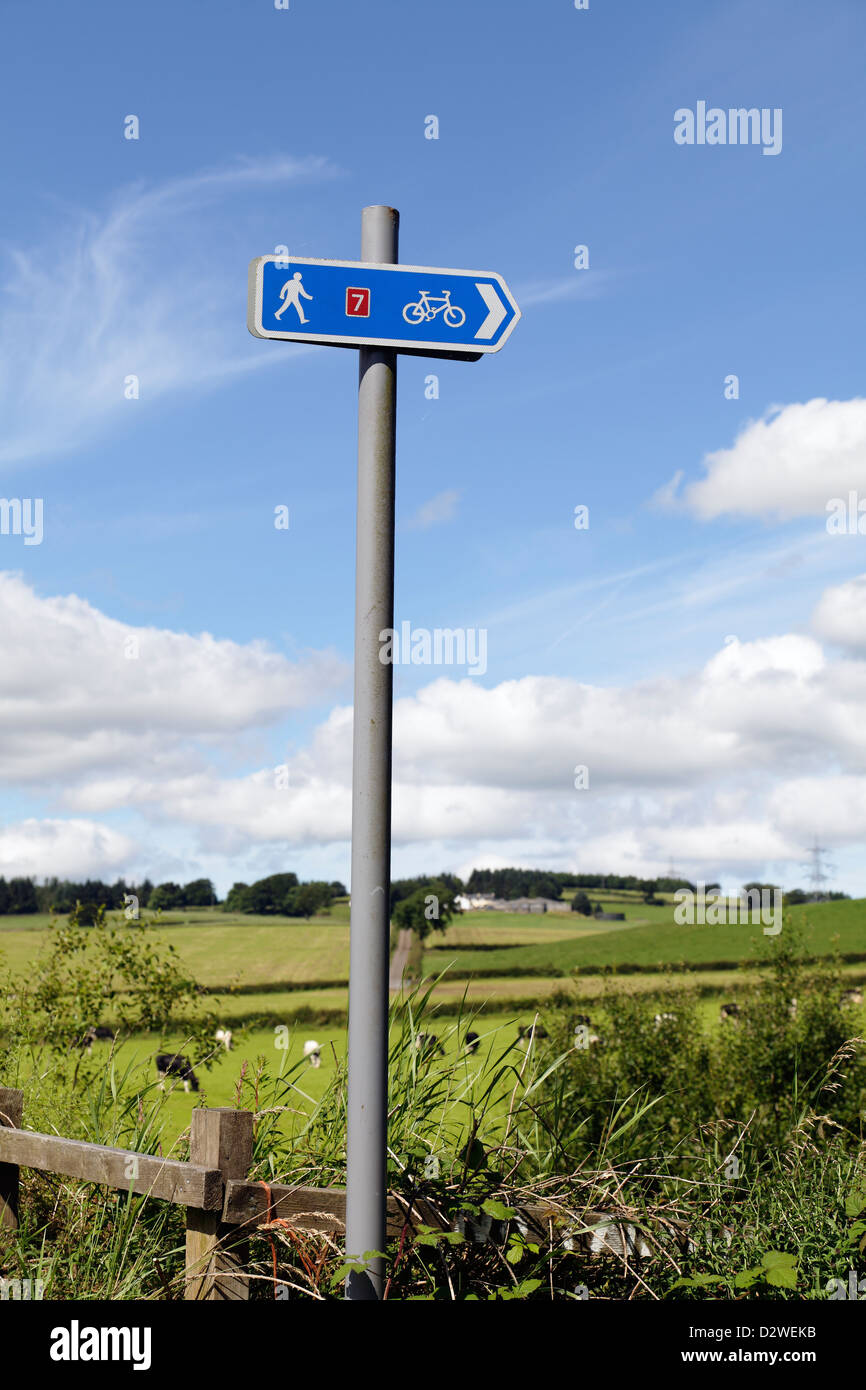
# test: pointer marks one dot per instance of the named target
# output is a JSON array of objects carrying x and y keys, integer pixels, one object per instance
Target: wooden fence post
[
  {"x": 215, "y": 1256},
  {"x": 11, "y": 1109}
]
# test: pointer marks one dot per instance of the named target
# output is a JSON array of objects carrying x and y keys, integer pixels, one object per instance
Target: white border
[{"x": 254, "y": 307}]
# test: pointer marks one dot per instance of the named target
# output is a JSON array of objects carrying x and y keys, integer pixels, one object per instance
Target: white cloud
[
  {"x": 834, "y": 803},
  {"x": 136, "y": 291},
  {"x": 840, "y": 616},
  {"x": 73, "y": 704},
  {"x": 75, "y": 849},
  {"x": 726, "y": 769},
  {"x": 787, "y": 464},
  {"x": 695, "y": 766}
]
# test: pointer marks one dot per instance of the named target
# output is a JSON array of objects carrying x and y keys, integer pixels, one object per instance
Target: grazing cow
[
  {"x": 223, "y": 1035},
  {"x": 313, "y": 1052},
  {"x": 471, "y": 1042},
  {"x": 582, "y": 1021},
  {"x": 173, "y": 1064},
  {"x": 661, "y": 1019},
  {"x": 535, "y": 1030},
  {"x": 97, "y": 1035},
  {"x": 851, "y": 996},
  {"x": 729, "y": 1011},
  {"x": 428, "y": 1044}
]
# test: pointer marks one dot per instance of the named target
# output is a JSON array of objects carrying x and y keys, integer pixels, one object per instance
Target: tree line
[
  {"x": 21, "y": 896},
  {"x": 283, "y": 895},
  {"x": 280, "y": 894},
  {"x": 547, "y": 883}
]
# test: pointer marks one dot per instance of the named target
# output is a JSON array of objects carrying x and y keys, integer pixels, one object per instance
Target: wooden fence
[{"x": 223, "y": 1208}]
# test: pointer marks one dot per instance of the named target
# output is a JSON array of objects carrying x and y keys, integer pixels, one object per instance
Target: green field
[
  {"x": 222, "y": 950},
  {"x": 218, "y": 1082},
  {"x": 275, "y": 968},
  {"x": 826, "y": 927},
  {"x": 264, "y": 972}
]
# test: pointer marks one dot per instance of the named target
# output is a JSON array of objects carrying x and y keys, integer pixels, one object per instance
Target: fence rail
[
  {"x": 221, "y": 1146},
  {"x": 186, "y": 1184}
]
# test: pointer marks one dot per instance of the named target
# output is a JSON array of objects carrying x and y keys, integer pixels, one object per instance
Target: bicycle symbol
[{"x": 424, "y": 309}]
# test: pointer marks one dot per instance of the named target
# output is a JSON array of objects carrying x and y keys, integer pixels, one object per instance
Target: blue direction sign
[{"x": 418, "y": 309}]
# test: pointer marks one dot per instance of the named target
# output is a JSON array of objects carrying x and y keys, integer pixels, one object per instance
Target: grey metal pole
[{"x": 371, "y": 791}]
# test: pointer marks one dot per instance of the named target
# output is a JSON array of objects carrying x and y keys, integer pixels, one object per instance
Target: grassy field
[
  {"x": 265, "y": 972},
  {"x": 494, "y": 1021},
  {"x": 218, "y": 1083},
  {"x": 277, "y": 969},
  {"x": 224, "y": 950},
  {"x": 826, "y": 927}
]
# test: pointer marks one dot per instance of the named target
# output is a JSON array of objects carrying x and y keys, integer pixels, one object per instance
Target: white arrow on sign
[{"x": 496, "y": 310}]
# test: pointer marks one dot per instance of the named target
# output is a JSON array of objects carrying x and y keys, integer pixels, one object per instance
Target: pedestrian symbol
[{"x": 289, "y": 295}]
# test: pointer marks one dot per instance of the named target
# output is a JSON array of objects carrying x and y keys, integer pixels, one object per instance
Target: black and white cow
[
  {"x": 471, "y": 1042},
  {"x": 534, "y": 1030},
  {"x": 730, "y": 1012},
  {"x": 173, "y": 1064},
  {"x": 428, "y": 1044},
  {"x": 97, "y": 1035}
]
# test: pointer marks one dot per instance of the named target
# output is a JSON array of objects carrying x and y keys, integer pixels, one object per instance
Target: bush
[{"x": 778, "y": 1066}]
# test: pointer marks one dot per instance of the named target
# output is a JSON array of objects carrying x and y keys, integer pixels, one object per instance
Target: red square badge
[{"x": 358, "y": 304}]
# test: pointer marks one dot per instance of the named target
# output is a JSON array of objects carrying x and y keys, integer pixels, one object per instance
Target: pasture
[
  {"x": 619, "y": 946},
  {"x": 262, "y": 974},
  {"x": 253, "y": 1046},
  {"x": 264, "y": 971}
]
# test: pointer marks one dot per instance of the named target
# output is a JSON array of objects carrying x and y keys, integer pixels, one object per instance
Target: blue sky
[{"x": 702, "y": 656}]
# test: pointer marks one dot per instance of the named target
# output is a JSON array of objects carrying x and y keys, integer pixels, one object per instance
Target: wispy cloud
[
  {"x": 581, "y": 284},
  {"x": 667, "y": 498},
  {"x": 440, "y": 508},
  {"x": 136, "y": 290}
]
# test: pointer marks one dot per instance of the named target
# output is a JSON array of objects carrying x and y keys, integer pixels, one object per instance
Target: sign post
[
  {"x": 383, "y": 309},
  {"x": 366, "y": 1188}
]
